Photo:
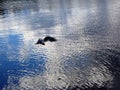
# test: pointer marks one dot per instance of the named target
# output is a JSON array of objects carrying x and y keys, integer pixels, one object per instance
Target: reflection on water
[{"x": 86, "y": 55}]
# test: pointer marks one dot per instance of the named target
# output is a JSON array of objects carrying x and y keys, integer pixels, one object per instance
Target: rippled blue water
[{"x": 85, "y": 56}]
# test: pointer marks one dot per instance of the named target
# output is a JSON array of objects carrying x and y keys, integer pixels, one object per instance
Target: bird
[{"x": 47, "y": 38}]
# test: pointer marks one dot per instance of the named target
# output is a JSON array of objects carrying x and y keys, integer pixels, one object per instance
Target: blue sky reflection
[{"x": 10, "y": 60}]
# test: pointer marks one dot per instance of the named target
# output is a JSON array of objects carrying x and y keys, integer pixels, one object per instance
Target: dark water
[{"x": 85, "y": 57}]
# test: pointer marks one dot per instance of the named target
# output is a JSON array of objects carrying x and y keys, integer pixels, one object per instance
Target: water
[{"x": 86, "y": 55}]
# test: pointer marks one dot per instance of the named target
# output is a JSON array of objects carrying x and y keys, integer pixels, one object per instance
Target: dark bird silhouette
[{"x": 47, "y": 38}]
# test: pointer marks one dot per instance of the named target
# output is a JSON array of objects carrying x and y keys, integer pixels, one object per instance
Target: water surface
[{"x": 86, "y": 54}]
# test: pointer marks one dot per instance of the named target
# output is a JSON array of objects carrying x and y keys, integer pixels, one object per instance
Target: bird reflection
[{"x": 47, "y": 38}]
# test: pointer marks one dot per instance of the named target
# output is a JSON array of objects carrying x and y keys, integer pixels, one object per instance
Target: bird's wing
[
  {"x": 38, "y": 41},
  {"x": 48, "y": 38}
]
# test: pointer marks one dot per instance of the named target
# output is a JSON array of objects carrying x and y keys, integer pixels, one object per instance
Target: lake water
[{"x": 85, "y": 56}]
